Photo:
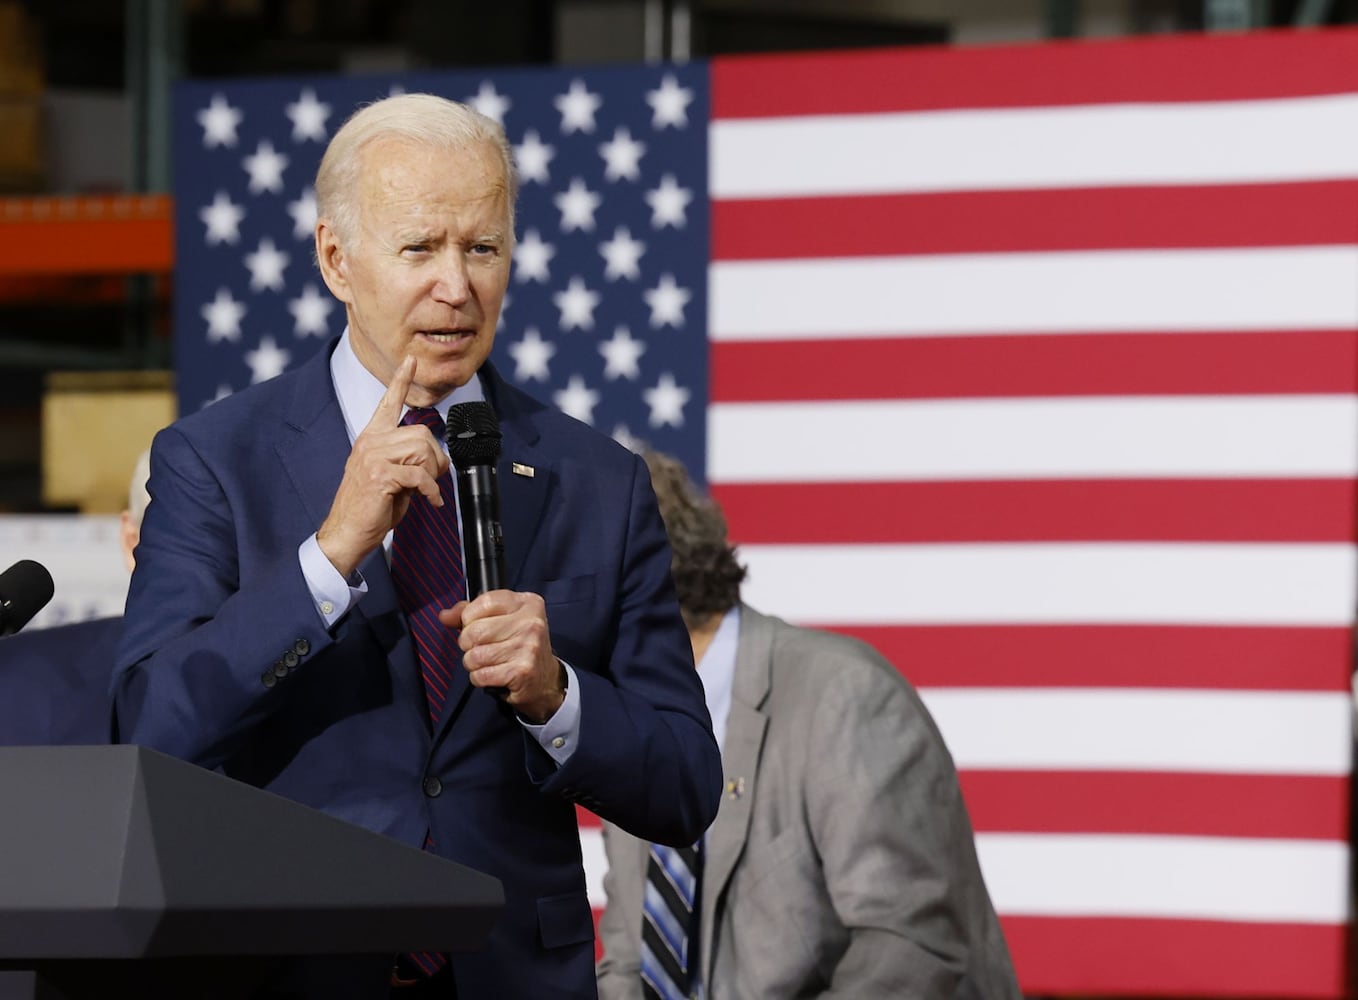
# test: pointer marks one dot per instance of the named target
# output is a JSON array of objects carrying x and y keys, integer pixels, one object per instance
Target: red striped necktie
[{"x": 426, "y": 566}]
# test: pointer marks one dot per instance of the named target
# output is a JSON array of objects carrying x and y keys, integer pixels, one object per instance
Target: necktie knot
[{"x": 426, "y": 415}]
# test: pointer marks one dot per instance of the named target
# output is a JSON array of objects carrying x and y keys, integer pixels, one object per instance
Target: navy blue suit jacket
[
  {"x": 54, "y": 684},
  {"x": 218, "y": 599}
]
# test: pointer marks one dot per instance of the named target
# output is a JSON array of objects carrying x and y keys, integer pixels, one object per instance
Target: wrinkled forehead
[{"x": 399, "y": 173}]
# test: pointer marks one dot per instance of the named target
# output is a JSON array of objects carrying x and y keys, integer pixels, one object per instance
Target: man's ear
[
  {"x": 129, "y": 534},
  {"x": 331, "y": 259}
]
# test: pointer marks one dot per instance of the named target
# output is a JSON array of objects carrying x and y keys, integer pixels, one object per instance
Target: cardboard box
[
  {"x": 22, "y": 166},
  {"x": 94, "y": 425},
  {"x": 22, "y": 73}
]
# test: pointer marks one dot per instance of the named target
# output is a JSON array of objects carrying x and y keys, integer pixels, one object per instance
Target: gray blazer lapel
[{"x": 745, "y": 729}]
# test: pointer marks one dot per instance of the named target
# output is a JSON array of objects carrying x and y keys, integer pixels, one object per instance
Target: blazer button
[
  {"x": 268, "y": 679},
  {"x": 280, "y": 669},
  {"x": 433, "y": 788},
  {"x": 301, "y": 647},
  {"x": 291, "y": 658}
]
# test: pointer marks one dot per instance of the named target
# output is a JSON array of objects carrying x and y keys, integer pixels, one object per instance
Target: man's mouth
[{"x": 447, "y": 336}]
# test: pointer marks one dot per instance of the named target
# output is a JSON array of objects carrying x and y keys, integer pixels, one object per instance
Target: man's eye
[
  {"x": 484, "y": 249},
  {"x": 415, "y": 248}
]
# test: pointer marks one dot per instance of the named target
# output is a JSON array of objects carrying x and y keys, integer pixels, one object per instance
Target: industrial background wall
[{"x": 85, "y": 176}]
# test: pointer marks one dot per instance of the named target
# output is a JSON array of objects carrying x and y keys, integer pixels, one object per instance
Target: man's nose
[{"x": 454, "y": 282}]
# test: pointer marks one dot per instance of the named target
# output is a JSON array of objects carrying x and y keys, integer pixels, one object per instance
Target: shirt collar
[
  {"x": 717, "y": 671},
  {"x": 359, "y": 390}
]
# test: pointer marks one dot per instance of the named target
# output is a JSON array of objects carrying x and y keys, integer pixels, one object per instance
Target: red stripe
[
  {"x": 433, "y": 566},
  {"x": 1111, "y": 656},
  {"x": 1167, "y": 510},
  {"x": 431, "y": 663},
  {"x": 436, "y": 687},
  {"x": 441, "y": 522},
  {"x": 1306, "y": 807},
  {"x": 1044, "y": 220},
  {"x": 1074, "y": 955},
  {"x": 434, "y": 638},
  {"x": 1173, "y": 69},
  {"x": 1104, "y": 364}
]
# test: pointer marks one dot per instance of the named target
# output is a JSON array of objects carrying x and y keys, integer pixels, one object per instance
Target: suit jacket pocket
[{"x": 565, "y": 919}]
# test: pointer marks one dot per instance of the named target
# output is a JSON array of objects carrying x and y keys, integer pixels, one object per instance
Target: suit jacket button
[
  {"x": 301, "y": 647},
  {"x": 291, "y": 659},
  {"x": 280, "y": 669},
  {"x": 433, "y": 788},
  {"x": 268, "y": 679}
]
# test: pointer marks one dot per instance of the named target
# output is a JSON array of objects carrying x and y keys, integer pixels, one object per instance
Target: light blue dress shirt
[{"x": 717, "y": 671}]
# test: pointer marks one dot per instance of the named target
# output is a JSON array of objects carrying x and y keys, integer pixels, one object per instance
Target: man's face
[{"x": 427, "y": 270}]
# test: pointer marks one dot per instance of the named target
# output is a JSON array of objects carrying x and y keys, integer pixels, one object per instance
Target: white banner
[{"x": 83, "y": 555}]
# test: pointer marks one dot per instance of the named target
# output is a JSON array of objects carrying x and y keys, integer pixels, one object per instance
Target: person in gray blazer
[{"x": 842, "y": 861}]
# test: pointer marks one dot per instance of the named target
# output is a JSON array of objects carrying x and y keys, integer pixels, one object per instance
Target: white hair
[
  {"x": 424, "y": 118},
  {"x": 137, "y": 497}
]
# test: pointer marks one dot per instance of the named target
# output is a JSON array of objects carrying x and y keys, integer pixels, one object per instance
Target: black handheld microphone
[
  {"x": 474, "y": 446},
  {"x": 25, "y": 588}
]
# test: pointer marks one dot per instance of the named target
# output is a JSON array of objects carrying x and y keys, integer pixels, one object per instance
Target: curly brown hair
[{"x": 706, "y": 573}]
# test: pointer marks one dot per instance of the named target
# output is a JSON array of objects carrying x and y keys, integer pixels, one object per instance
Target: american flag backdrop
[{"x": 1036, "y": 367}]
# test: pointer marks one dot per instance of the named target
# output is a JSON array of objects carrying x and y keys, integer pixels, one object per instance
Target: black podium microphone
[
  {"x": 25, "y": 588},
  {"x": 474, "y": 447}
]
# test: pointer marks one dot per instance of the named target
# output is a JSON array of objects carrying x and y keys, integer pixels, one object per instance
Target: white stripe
[
  {"x": 1081, "y": 437},
  {"x": 1072, "y": 583},
  {"x": 1252, "y": 288},
  {"x": 1065, "y": 729},
  {"x": 1094, "y": 145},
  {"x": 1209, "y": 878},
  {"x": 1137, "y": 876},
  {"x": 596, "y": 865}
]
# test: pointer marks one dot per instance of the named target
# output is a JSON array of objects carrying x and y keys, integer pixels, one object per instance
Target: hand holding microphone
[{"x": 505, "y": 641}]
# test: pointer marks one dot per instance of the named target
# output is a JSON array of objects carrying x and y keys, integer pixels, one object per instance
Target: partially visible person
[
  {"x": 842, "y": 861},
  {"x": 54, "y": 681}
]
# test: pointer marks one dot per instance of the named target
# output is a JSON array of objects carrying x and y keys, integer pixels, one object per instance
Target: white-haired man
[{"x": 296, "y": 619}]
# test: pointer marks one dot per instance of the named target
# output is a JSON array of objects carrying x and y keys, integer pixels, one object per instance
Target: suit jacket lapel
[
  {"x": 745, "y": 730},
  {"x": 524, "y": 471},
  {"x": 313, "y": 454}
]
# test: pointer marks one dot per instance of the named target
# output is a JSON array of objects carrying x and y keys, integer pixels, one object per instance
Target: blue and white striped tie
[{"x": 668, "y": 925}]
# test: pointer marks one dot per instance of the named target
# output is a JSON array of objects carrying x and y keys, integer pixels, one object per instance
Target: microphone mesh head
[
  {"x": 25, "y": 589},
  {"x": 473, "y": 434}
]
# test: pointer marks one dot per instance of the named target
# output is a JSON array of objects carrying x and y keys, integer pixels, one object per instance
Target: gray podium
[{"x": 128, "y": 873}]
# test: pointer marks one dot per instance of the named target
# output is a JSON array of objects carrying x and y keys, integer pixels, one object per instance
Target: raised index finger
[{"x": 388, "y": 412}]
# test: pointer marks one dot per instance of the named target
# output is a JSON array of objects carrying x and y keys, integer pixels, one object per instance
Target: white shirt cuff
[
  {"x": 331, "y": 594},
  {"x": 558, "y": 735}
]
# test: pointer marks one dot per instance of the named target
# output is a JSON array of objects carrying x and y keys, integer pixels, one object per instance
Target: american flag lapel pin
[
  {"x": 519, "y": 469},
  {"x": 735, "y": 788}
]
